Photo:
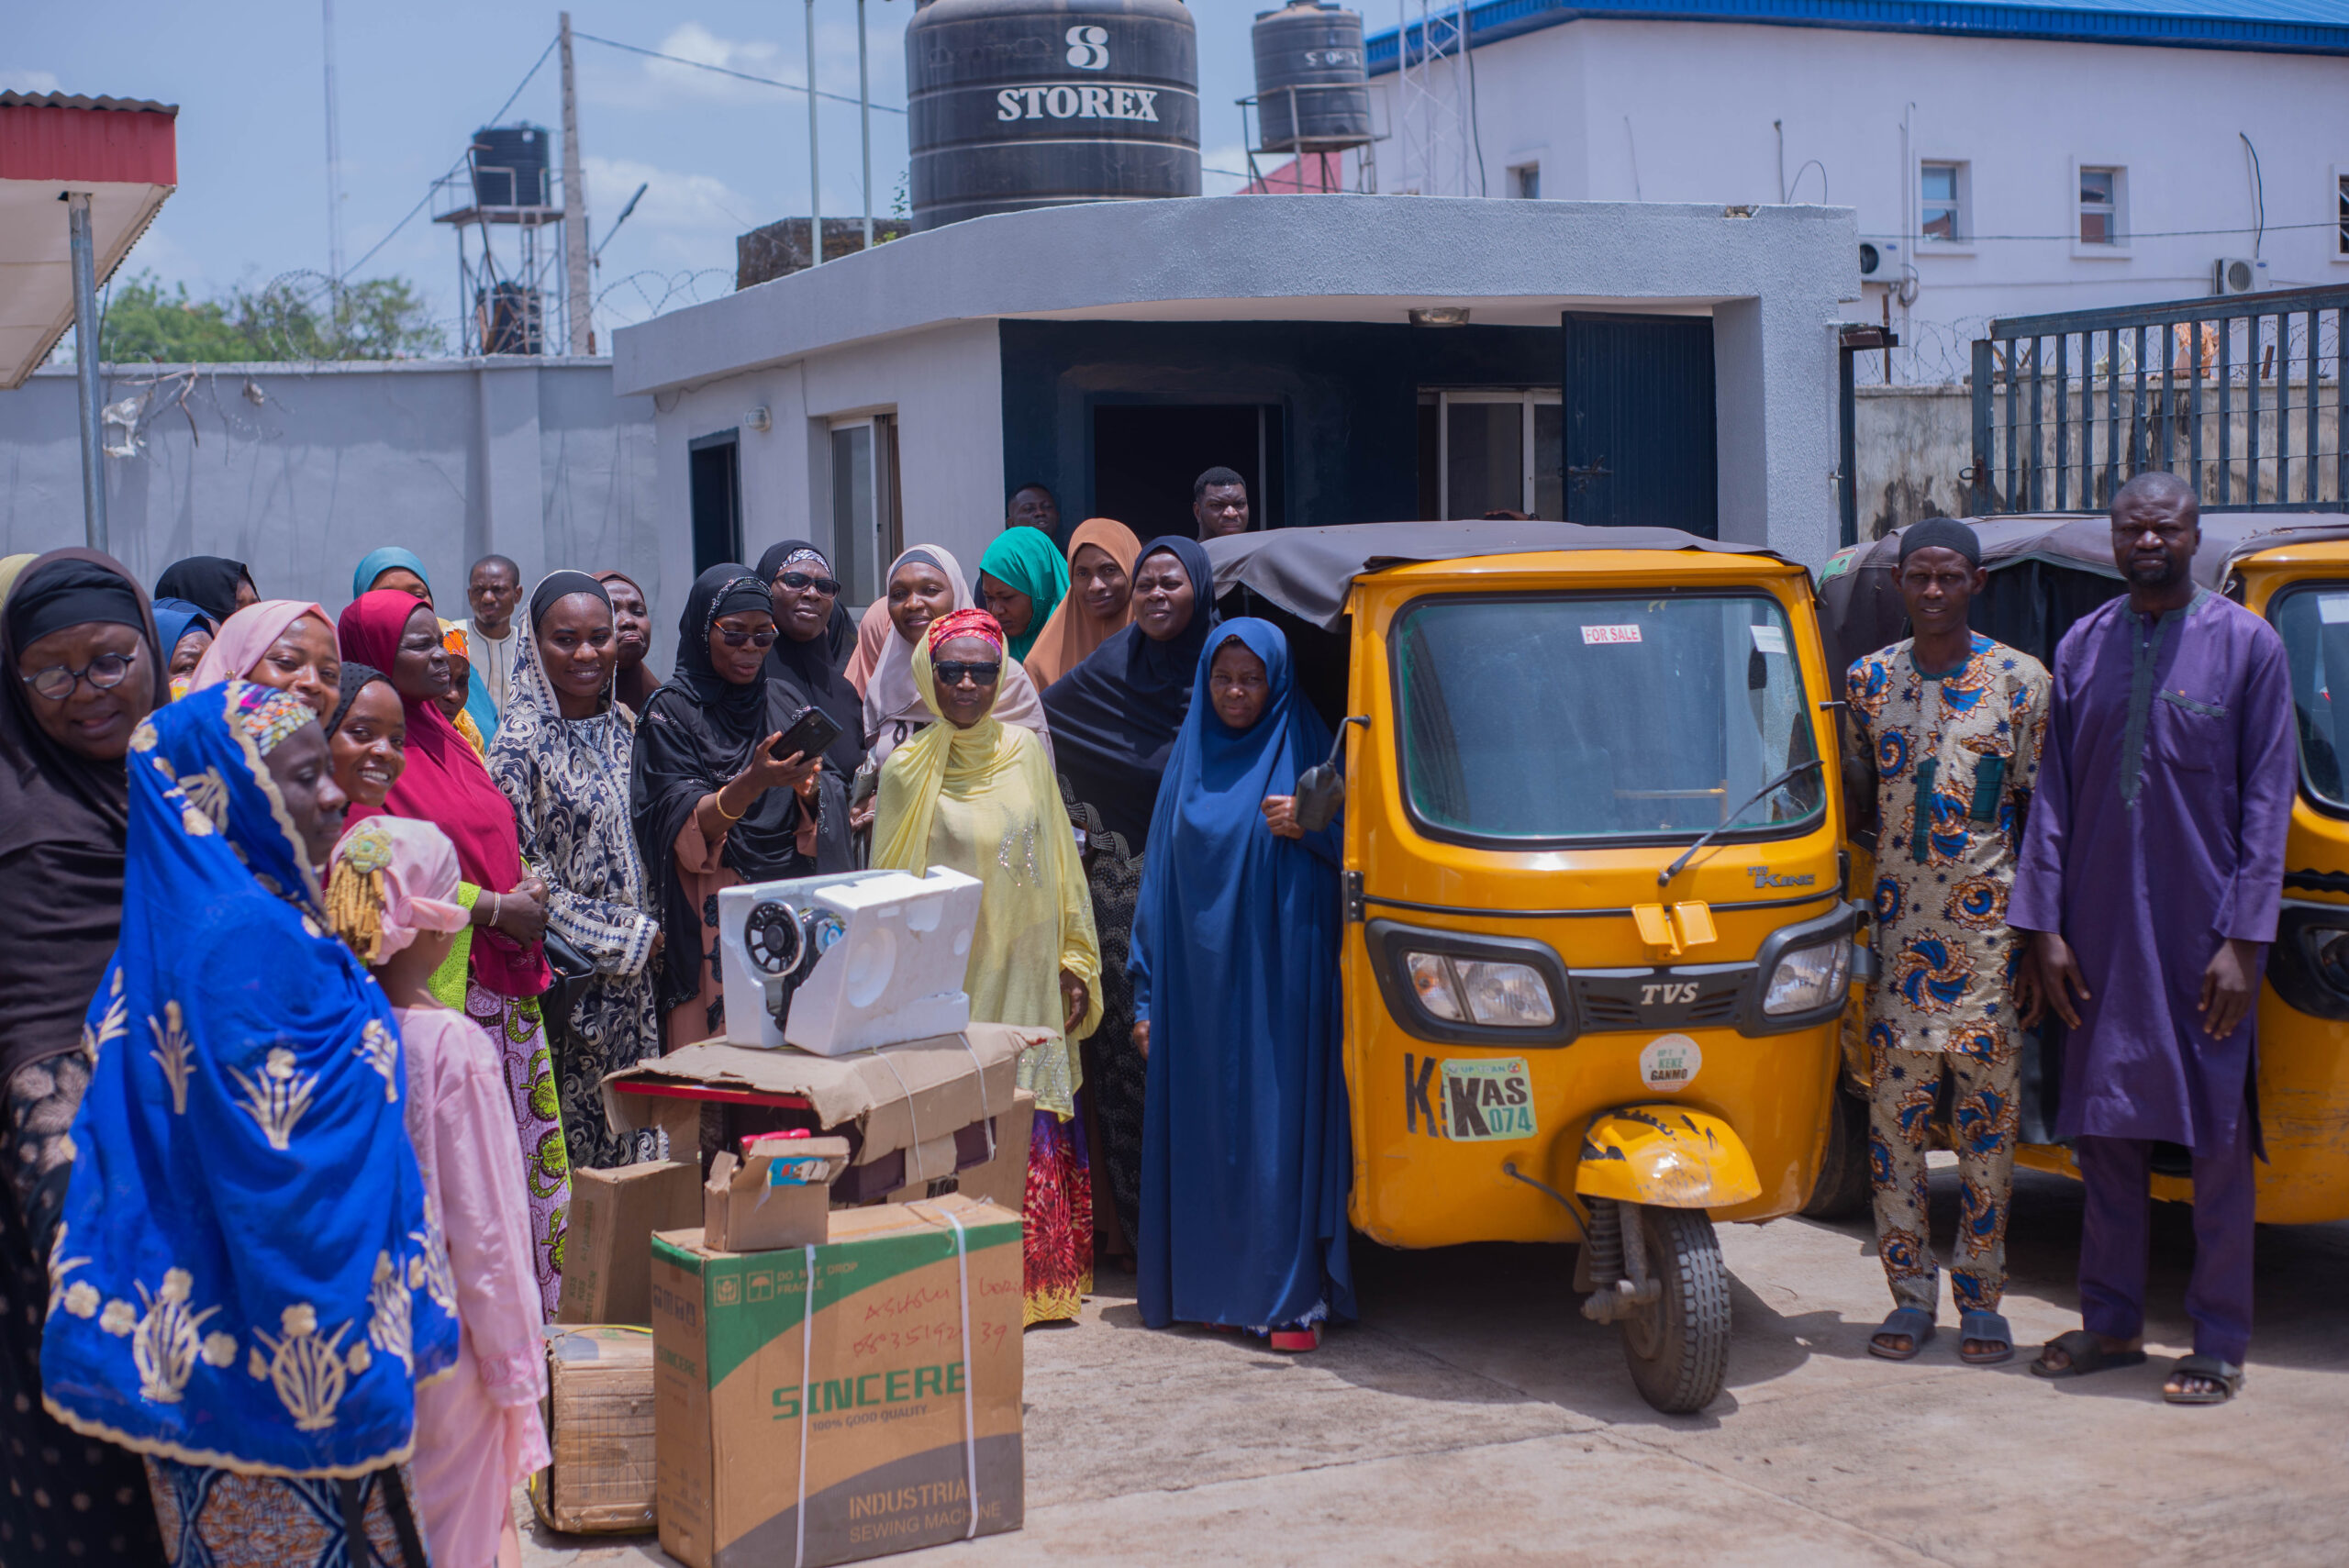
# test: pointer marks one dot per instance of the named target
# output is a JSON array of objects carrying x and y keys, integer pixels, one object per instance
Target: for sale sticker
[
  {"x": 1598, "y": 634},
  {"x": 1670, "y": 1062}
]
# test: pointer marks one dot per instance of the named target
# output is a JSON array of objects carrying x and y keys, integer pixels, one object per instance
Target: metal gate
[
  {"x": 1639, "y": 425},
  {"x": 2239, "y": 395}
]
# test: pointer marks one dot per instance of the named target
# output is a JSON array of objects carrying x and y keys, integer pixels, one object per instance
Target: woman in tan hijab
[{"x": 1098, "y": 604}]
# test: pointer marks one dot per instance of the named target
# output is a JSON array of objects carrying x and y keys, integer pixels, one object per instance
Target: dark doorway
[
  {"x": 1640, "y": 426},
  {"x": 714, "y": 475},
  {"x": 1146, "y": 455}
]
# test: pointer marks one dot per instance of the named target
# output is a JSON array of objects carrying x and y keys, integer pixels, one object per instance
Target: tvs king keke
[{"x": 1596, "y": 943}]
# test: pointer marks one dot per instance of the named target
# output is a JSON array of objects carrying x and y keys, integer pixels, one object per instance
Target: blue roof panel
[{"x": 2275, "y": 26}]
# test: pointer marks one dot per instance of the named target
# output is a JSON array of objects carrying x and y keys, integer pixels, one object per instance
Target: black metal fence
[{"x": 2239, "y": 395}]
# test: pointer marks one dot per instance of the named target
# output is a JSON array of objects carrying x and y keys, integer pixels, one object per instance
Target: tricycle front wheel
[{"x": 1677, "y": 1345}]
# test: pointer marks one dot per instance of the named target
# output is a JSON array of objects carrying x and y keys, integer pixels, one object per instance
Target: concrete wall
[
  {"x": 1683, "y": 111},
  {"x": 918, "y": 316},
  {"x": 300, "y": 470}
]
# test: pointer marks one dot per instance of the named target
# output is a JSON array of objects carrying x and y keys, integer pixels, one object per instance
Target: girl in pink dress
[{"x": 394, "y": 899}]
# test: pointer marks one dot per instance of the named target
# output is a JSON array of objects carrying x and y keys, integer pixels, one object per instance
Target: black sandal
[
  {"x": 1914, "y": 1323},
  {"x": 2084, "y": 1354},
  {"x": 2211, "y": 1369},
  {"x": 1985, "y": 1328}
]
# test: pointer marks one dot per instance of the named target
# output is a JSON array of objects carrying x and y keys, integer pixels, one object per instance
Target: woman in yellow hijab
[{"x": 977, "y": 794}]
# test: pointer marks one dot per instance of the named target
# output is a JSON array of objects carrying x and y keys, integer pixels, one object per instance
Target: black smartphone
[{"x": 811, "y": 730}]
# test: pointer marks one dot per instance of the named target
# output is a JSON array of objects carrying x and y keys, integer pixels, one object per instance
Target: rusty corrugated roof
[{"x": 80, "y": 101}]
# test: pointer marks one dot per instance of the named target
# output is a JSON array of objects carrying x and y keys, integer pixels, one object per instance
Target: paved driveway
[{"x": 1473, "y": 1417}]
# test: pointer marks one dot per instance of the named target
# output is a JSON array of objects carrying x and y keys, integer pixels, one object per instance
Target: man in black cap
[{"x": 1942, "y": 748}]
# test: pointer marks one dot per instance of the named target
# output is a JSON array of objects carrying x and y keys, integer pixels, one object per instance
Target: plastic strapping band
[
  {"x": 970, "y": 1433},
  {"x": 913, "y": 1145},
  {"x": 985, "y": 1116},
  {"x": 807, "y": 1392}
]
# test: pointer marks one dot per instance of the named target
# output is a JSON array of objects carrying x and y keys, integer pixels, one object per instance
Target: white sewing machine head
[{"x": 835, "y": 964}]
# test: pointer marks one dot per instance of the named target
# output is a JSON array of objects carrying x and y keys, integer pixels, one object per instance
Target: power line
[
  {"x": 420, "y": 205},
  {"x": 722, "y": 71}
]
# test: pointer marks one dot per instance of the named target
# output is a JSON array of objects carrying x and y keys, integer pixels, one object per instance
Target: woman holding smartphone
[
  {"x": 804, "y": 671},
  {"x": 712, "y": 803}
]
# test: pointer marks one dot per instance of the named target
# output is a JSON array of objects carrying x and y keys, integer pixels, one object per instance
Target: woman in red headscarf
[{"x": 497, "y": 968}]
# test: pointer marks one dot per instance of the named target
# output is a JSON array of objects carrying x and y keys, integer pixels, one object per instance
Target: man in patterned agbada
[{"x": 1942, "y": 745}]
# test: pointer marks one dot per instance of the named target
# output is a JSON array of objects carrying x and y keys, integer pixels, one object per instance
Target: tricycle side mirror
[{"x": 1321, "y": 788}]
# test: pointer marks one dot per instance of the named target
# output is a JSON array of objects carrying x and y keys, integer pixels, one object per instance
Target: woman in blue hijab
[
  {"x": 1246, "y": 1158},
  {"x": 247, "y": 1283},
  {"x": 405, "y": 572}
]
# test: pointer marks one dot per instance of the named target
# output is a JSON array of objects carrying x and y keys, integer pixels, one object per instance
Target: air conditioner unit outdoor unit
[
  {"x": 2238, "y": 274},
  {"x": 1871, "y": 259}
]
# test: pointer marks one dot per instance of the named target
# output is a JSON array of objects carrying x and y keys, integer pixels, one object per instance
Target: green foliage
[{"x": 297, "y": 318}]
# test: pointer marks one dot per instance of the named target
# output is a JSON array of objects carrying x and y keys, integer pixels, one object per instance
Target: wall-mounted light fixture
[
  {"x": 758, "y": 419},
  {"x": 1441, "y": 315}
]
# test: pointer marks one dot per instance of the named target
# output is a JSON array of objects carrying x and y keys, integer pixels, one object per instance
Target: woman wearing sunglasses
[
  {"x": 803, "y": 670},
  {"x": 977, "y": 794},
  {"x": 712, "y": 804}
]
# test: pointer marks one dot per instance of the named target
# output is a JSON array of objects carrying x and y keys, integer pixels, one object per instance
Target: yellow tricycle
[{"x": 1596, "y": 943}]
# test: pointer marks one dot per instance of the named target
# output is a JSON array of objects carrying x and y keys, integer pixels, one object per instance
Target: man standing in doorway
[
  {"x": 2152, "y": 871},
  {"x": 1032, "y": 507},
  {"x": 1943, "y": 744},
  {"x": 493, "y": 589},
  {"x": 1219, "y": 502}
]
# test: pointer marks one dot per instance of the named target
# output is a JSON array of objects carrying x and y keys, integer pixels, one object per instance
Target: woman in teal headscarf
[
  {"x": 248, "y": 1282},
  {"x": 1022, "y": 579},
  {"x": 405, "y": 572}
]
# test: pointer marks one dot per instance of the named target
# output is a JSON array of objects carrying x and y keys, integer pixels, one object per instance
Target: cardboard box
[
  {"x": 878, "y": 1387},
  {"x": 1003, "y": 1181},
  {"x": 776, "y": 1193},
  {"x": 599, "y": 1424},
  {"x": 608, "y": 1257},
  {"x": 912, "y": 1113}
]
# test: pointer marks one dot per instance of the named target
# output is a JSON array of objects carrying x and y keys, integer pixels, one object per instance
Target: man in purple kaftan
[{"x": 2152, "y": 867}]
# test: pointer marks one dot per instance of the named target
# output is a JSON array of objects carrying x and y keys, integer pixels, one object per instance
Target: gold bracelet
[{"x": 717, "y": 798}]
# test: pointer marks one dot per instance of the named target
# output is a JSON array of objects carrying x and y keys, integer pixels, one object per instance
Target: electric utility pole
[{"x": 576, "y": 309}]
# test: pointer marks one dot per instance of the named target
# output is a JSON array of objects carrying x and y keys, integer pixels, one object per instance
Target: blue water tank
[{"x": 509, "y": 165}]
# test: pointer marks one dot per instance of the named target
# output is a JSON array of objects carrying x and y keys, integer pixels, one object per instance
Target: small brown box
[
  {"x": 608, "y": 1256},
  {"x": 779, "y": 1193},
  {"x": 599, "y": 1424},
  {"x": 1003, "y": 1181}
]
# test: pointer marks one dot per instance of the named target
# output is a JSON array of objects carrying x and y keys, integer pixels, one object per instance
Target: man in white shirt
[{"x": 493, "y": 589}]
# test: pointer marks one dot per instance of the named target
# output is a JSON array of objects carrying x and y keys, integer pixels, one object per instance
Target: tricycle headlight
[
  {"x": 1496, "y": 994},
  {"x": 2328, "y": 950},
  {"x": 1808, "y": 978}
]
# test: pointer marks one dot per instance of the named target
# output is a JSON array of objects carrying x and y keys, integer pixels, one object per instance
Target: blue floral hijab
[{"x": 247, "y": 1274}]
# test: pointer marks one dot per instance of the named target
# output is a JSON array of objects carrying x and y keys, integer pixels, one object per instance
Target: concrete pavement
[{"x": 1475, "y": 1417}]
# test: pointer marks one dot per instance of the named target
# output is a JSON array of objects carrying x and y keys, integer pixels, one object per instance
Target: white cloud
[
  {"x": 676, "y": 204},
  {"x": 16, "y": 80},
  {"x": 657, "y": 83}
]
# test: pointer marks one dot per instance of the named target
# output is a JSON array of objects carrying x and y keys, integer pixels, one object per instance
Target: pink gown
[{"x": 477, "y": 1429}]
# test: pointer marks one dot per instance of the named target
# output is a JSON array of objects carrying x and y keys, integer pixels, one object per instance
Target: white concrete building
[
  {"x": 2004, "y": 159},
  {"x": 1113, "y": 352}
]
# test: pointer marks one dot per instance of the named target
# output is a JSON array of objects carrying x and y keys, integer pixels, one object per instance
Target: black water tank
[
  {"x": 510, "y": 166},
  {"x": 1317, "y": 50},
  {"x": 1016, "y": 103}
]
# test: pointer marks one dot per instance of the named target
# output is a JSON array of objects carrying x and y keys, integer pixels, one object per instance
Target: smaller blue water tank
[{"x": 509, "y": 164}]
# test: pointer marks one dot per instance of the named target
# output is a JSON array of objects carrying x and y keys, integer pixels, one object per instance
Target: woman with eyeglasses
[
  {"x": 804, "y": 670},
  {"x": 712, "y": 804},
  {"x": 83, "y": 668},
  {"x": 977, "y": 794}
]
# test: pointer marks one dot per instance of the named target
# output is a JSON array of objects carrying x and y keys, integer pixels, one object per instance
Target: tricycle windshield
[
  {"x": 1542, "y": 718},
  {"x": 2313, "y": 620}
]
